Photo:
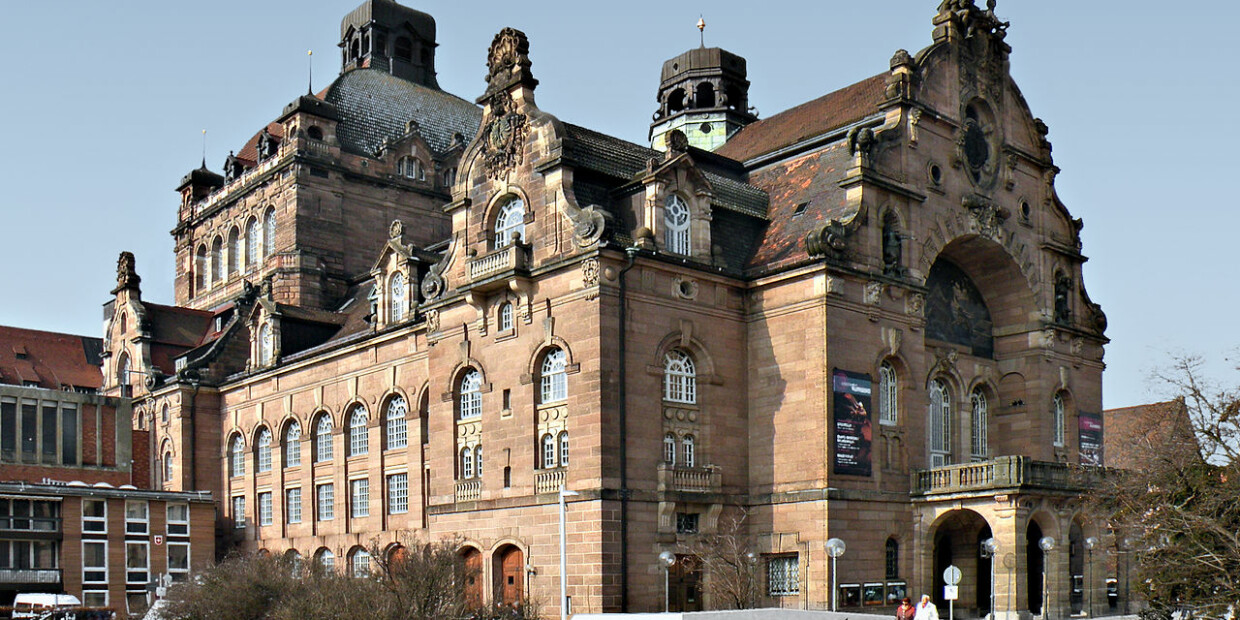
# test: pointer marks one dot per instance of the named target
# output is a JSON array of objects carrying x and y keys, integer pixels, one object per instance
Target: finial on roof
[
  {"x": 310, "y": 70},
  {"x": 508, "y": 61},
  {"x": 126, "y": 273},
  {"x": 701, "y": 25},
  {"x": 204, "y": 149}
]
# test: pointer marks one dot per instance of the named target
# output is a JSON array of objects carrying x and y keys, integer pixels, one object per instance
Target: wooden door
[
  {"x": 473, "y": 577},
  {"x": 512, "y": 568}
]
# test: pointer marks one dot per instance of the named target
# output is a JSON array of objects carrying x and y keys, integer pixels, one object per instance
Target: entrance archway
[
  {"x": 684, "y": 584},
  {"x": 1035, "y": 568},
  {"x": 509, "y": 571},
  {"x": 471, "y": 559},
  {"x": 955, "y": 541},
  {"x": 1076, "y": 567}
]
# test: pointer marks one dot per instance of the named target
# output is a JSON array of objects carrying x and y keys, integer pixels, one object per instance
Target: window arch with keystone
[
  {"x": 553, "y": 382},
  {"x": 251, "y": 244},
  {"x": 1059, "y": 419},
  {"x": 398, "y": 297},
  {"x": 236, "y": 456},
  {"x": 679, "y": 377},
  {"x": 939, "y": 421},
  {"x": 323, "y": 439},
  {"x": 676, "y": 238},
  {"x": 262, "y": 450},
  {"x": 510, "y": 222},
  {"x": 359, "y": 443},
  {"x": 979, "y": 425},
  {"x": 888, "y": 394},
  {"x": 549, "y": 370},
  {"x": 269, "y": 232},
  {"x": 292, "y": 444},
  {"x": 395, "y": 428}
]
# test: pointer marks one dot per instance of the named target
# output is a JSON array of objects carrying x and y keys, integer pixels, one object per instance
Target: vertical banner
[
  {"x": 1090, "y": 439},
  {"x": 853, "y": 430}
]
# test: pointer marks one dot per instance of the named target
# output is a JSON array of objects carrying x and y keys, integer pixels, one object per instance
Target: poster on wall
[
  {"x": 853, "y": 430},
  {"x": 1090, "y": 439}
]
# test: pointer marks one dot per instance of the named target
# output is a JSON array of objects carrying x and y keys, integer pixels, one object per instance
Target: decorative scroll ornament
[
  {"x": 508, "y": 61},
  {"x": 828, "y": 240},
  {"x": 589, "y": 272},
  {"x": 503, "y": 137}
]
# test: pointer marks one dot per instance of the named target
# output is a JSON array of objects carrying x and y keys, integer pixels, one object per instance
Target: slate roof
[
  {"x": 49, "y": 359},
  {"x": 813, "y": 118},
  {"x": 376, "y": 107}
]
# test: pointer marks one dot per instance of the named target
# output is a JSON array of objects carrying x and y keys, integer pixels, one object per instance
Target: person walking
[
  {"x": 926, "y": 609},
  {"x": 905, "y": 611}
]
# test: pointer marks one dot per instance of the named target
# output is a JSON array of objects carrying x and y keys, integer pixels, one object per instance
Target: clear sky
[{"x": 104, "y": 104}]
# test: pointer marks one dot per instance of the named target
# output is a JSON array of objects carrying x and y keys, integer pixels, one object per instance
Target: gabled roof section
[
  {"x": 376, "y": 107},
  {"x": 49, "y": 359},
  {"x": 813, "y": 118}
]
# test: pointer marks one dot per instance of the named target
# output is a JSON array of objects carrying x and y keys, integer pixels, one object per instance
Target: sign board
[
  {"x": 951, "y": 592},
  {"x": 853, "y": 427},
  {"x": 159, "y": 539},
  {"x": 951, "y": 576}
]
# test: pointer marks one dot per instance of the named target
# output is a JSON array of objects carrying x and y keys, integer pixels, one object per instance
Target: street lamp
[
  {"x": 1090, "y": 543},
  {"x": 751, "y": 560},
  {"x": 1047, "y": 544},
  {"x": 835, "y": 548},
  {"x": 666, "y": 559},
  {"x": 990, "y": 549},
  {"x": 564, "y": 493}
]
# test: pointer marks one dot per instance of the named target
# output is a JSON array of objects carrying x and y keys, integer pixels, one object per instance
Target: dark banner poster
[
  {"x": 853, "y": 430},
  {"x": 1091, "y": 439}
]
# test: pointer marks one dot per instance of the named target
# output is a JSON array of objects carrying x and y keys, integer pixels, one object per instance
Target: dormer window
[
  {"x": 510, "y": 223},
  {"x": 266, "y": 345},
  {"x": 411, "y": 168},
  {"x": 676, "y": 225},
  {"x": 396, "y": 297}
]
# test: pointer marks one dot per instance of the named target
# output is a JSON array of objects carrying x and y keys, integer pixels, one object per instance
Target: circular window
[
  {"x": 936, "y": 174},
  {"x": 705, "y": 128},
  {"x": 1024, "y": 210}
]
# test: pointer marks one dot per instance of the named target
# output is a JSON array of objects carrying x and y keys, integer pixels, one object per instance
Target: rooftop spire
[
  {"x": 310, "y": 71},
  {"x": 701, "y": 25},
  {"x": 204, "y": 149}
]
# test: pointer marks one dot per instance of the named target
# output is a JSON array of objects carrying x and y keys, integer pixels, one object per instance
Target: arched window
[
  {"x": 505, "y": 316},
  {"x": 266, "y": 344},
  {"x": 888, "y": 395},
  {"x": 689, "y": 449},
  {"x": 358, "y": 444},
  {"x": 548, "y": 451},
  {"x": 323, "y": 439},
  {"x": 510, "y": 223},
  {"x": 893, "y": 559},
  {"x": 403, "y": 49},
  {"x": 449, "y": 176},
  {"x": 467, "y": 462},
  {"x": 292, "y": 445},
  {"x": 676, "y": 225},
  {"x": 360, "y": 564},
  {"x": 1059, "y": 419},
  {"x": 553, "y": 381},
  {"x": 314, "y": 132},
  {"x": 669, "y": 449},
  {"x": 124, "y": 376},
  {"x": 163, "y": 414},
  {"x": 470, "y": 395},
  {"x": 704, "y": 97},
  {"x": 478, "y": 461},
  {"x": 251, "y": 244},
  {"x": 563, "y": 448},
  {"x": 395, "y": 431},
  {"x": 980, "y": 421},
  {"x": 679, "y": 377},
  {"x": 201, "y": 269},
  {"x": 396, "y": 296},
  {"x": 269, "y": 233},
  {"x": 327, "y": 559},
  {"x": 167, "y": 466},
  {"x": 217, "y": 260},
  {"x": 940, "y": 420},
  {"x": 263, "y": 448},
  {"x": 236, "y": 456},
  {"x": 234, "y": 251}
]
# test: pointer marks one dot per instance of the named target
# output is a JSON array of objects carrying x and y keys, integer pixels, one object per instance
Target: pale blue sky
[{"x": 105, "y": 103}]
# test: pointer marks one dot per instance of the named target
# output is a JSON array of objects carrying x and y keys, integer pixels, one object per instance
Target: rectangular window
[
  {"x": 48, "y": 434},
  {"x": 359, "y": 497},
  {"x": 137, "y": 562},
  {"x": 30, "y": 428},
  {"x": 178, "y": 561},
  {"x": 325, "y": 494},
  {"x": 95, "y": 598},
  {"x": 783, "y": 575},
  {"x": 398, "y": 494},
  {"x": 292, "y": 505},
  {"x": 94, "y": 561},
  {"x": 137, "y": 519},
  {"x": 238, "y": 511},
  {"x": 8, "y": 429},
  {"x": 264, "y": 508},
  {"x": 686, "y": 523},
  {"x": 94, "y": 516},
  {"x": 68, "y": 434},
  {"x": 178, "y": 519}
]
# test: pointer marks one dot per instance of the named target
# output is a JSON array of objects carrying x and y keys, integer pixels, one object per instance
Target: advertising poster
[
  {"x": 1090, "y": 439},
  {"x": 853, "y": 430}
]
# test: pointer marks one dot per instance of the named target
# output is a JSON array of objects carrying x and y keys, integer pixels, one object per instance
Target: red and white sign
[{"x": 159, "y": 539}]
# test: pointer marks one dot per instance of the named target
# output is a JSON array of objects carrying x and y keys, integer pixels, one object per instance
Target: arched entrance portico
[{"x": 954, "y": 541}]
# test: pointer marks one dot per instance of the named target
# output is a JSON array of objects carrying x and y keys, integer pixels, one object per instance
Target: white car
[{"x": 36, "y": 604}]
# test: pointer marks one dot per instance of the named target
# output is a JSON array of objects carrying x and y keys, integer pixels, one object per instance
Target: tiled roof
[
  {"x": 249, "y": 152},
  {"x": 48, "y": 359},
  {"x": 813, "y": 118},
  {"x": 737, "y": 196},
  {"x": 1129, "y": 434},
  {"x": 377, "y": 107}
]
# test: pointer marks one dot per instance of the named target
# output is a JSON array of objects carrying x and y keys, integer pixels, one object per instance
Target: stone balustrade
[{"x": 999, "y": 473}]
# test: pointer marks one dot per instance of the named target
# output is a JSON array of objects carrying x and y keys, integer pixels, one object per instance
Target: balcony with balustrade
[
  {"x": 468, "y": 490},
  {"x": 678, "y": 478},
  {"x": 492, "y": 270},
  {"x": 549, "y": 480},
  {"x": 1003, "y": 474}
]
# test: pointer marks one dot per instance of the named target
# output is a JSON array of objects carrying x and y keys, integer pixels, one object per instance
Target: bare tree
[{"x": 729, "y": 561}]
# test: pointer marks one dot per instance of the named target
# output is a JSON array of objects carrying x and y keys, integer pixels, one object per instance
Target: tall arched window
[
  {"x": 163, "y": 414},
  {"x": 478, "y": 461},
  {"x": 217, "y": 261},
  {"x": 123, "y": 378},
  {"x": 893, "y": 559},
  {"x": 553, "y": 383},
  {"x": 360, "y": 564},
  {"x": 470, "y": 395},
  {"x": 467, "y": 462},
  {"x": 201, "y": 269},
  {"x": 676, "y": 225},
  {"x": 980, "y": 421},
  {"x": 505, "y": 316},
  {"x": 269, "y": 232},
  {"x": 234, "y": 251},
  {"x": 396, "y": 297},
  {"x": 689, "y": 449},
  {"x": 292, "y": 445},
  {"x": 669, "y": 449},
  {"x": 251, "y": 244},
  {"x": 510, "y": 223},
  {"x": 1058, "y": 420},
  {"x": 679, "y": 377},
  {"x": 888, "y": 395},
  {"x": 940, "y": 421},
  {"x": 395, "y": 430},
  {"x": 327, "y": 559},
  {"x": 167, "y": 466},
  {"x": 323, "y": 439},
  {"x": 563, "y": 448},
  {"x": 263, "y": 449},
  {"x": 266, "y": 344},
  {"x": 236, "y": 456},
  {"x": 358, "y": 444},
  {"x": 548, "y": 451}
]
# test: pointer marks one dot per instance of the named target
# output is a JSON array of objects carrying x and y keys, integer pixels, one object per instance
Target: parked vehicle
[{"x": 39, "y": 605}]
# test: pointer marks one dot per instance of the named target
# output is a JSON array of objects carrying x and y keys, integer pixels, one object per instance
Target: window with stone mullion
[{"x": 397, "y": 430}]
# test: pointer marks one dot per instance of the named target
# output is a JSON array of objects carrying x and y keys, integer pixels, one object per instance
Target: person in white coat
[{"x": 926, "y": 609}]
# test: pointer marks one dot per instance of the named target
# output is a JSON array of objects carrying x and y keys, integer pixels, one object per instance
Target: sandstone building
[{"x": 399, "y": 313}]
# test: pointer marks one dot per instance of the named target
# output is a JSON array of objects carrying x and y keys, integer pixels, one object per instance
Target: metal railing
[{"x": 48, "y": 576}]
